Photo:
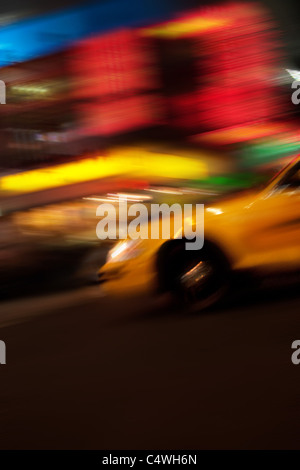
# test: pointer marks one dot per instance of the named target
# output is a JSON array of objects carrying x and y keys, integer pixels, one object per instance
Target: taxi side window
[{"x": 292, "y": 179}]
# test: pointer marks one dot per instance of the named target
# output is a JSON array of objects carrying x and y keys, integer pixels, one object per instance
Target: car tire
[{"x": 197, "y": 280}]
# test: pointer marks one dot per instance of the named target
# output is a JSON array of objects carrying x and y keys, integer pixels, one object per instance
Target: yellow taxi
[{"x": 257, "y": 231}]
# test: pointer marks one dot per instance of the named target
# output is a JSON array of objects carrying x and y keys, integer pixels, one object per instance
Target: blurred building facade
[{"x": 200, "y": 71}]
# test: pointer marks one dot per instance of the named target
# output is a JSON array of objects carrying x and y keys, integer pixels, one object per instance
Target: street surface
[{"x": 84, "y": 371}]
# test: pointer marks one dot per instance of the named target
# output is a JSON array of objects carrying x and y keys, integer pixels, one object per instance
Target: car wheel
[{"x": 198, "y": 280}]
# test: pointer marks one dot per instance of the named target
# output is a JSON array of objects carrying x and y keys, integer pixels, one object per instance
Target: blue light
[{"x": 44, "y": 35}]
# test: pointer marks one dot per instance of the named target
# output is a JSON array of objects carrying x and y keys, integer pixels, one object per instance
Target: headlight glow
[{"x": 124, "y": 250}]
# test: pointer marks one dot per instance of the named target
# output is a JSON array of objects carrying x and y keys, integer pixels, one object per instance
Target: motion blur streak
[
  {"x": 133, "y": 104},
  {"x": 131, "y": 162}
]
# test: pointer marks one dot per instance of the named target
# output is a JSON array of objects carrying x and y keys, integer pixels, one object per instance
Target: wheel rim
[{"x": 196, "y": 279}]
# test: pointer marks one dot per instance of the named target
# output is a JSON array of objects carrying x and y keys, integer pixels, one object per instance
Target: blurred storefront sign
[{"x": 43, "y": 35}]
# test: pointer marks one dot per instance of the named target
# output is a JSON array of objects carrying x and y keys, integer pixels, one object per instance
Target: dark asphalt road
[{"x": 87, "y": 372}]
